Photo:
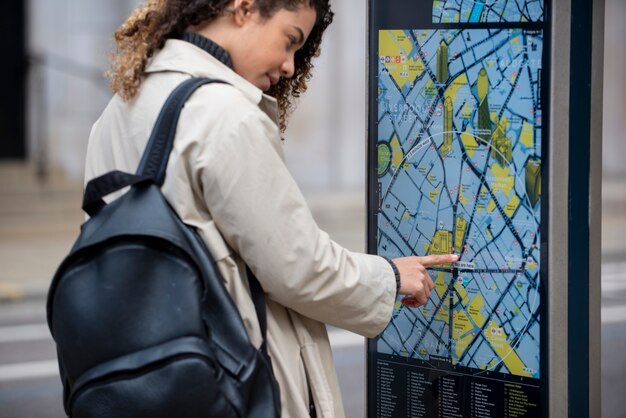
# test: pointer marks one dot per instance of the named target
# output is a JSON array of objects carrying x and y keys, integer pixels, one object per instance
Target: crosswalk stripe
[
  {"x": 30, "y": 370},
  {"x": 17, "y": 333}
]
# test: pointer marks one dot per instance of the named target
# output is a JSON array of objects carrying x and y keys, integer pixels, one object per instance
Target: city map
[
  {"x": 478, "y": 11},
  {"x": 459, "y": 171}
]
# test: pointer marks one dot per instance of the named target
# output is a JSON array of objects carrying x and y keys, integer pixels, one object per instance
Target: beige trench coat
[{"x": 227, "y": 177}]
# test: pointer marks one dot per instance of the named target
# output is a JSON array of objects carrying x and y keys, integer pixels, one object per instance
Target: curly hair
[{"x": 145, "y": 32}]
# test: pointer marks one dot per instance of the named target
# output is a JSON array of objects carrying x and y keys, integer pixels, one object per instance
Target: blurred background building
[
  {"x": 54, "y": 90},
  {"x": 67, "y": 46}
]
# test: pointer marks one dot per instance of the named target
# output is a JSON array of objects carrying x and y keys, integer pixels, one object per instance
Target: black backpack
[{"x": 143, "y": 324}]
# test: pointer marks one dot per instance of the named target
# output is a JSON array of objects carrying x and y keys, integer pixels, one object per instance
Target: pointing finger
[{"x": 437, "y": 259}]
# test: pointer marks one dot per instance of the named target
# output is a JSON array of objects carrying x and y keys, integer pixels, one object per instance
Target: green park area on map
[{"x": 459, "y": 171}]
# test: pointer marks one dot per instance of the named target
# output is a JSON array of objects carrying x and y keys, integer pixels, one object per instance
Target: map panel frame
[{"x": 446, "y": 373}]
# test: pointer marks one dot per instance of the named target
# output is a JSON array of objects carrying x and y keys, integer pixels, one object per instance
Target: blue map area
[
  {"x": 459, "y": 171},
  {"x": 479, "y": 11}
]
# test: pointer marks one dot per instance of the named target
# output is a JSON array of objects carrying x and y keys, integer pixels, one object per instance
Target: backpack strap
[
  {"x": 152, "y": 169},
  {"x": 258, "y": 297},
  {"x": 154, "y": 160},
  {"x": 153, "y": 163}
]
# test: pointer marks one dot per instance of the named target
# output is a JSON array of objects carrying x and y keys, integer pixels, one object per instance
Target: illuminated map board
[{"x": 456, "y": 127}]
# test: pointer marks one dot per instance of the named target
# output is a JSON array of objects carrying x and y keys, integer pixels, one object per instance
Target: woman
[{"x": 227, "y": 177}]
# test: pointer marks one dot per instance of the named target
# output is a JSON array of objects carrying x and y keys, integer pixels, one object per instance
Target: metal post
[
  {"x": 595, "y": 208},
  {"x": 557, "y": 289}
]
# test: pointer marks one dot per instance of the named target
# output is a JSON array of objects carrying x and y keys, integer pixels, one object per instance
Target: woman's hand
[{"x": 415, "y": 282}]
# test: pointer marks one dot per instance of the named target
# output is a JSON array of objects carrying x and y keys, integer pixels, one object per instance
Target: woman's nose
[{"x": 287, "y": 69}]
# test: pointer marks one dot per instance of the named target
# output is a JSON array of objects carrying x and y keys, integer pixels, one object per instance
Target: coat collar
[{"x": 181, "y": 56}]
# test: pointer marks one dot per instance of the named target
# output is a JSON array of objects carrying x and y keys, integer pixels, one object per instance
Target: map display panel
[
  {"x": 492, "y": 11},
  {"x": 459, "y": 171}
]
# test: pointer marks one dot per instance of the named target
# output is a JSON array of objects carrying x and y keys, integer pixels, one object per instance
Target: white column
[
  {"x": 72, "y": 39},
  {"x": 614, "y": 119},
  {"x": 326, "y": 135}
]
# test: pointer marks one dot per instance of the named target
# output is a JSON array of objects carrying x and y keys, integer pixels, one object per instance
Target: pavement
[{"x": 39, "y": 221}]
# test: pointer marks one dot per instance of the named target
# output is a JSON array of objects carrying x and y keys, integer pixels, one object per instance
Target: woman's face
[{"x": 265, "y": 51}]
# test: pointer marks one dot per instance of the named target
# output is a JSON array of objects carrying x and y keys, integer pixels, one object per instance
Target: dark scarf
[{"x": 209, "y": 46}]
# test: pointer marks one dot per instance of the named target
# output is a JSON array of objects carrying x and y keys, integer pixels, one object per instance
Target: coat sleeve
[{"x": 263, "y": 216}]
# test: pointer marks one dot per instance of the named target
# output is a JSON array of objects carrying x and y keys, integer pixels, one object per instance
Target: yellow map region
[
  {"x": 466, "y": 321},
  {"x": 432, "y": 195},
  {"x": 497, "y": 338},
  {"x": 394, "y": 48},
  {"x": 396, "y": 152},
  {"x": 470, "y": 143},
  {"x": 462, "y": 332},
  {"x": 453, "y": 90},
  {"x": 441, "y": 244},
  {"x": 461, "y": 227},
  {"x": 527, "y": 135},
  {"x": 466, "y": 111},
  {"x": 474, "y": 310},
  {"x": 440, "y": 284},
  {"x": 462, "y": 293},
  {"x": 502, "y": 179},
  {"x": 443, "y": 314},
  {"x": 512, "y": 206}
]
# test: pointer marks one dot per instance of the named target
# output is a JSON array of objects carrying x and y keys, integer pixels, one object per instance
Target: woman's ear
[{"x": 242, "y": 11}]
